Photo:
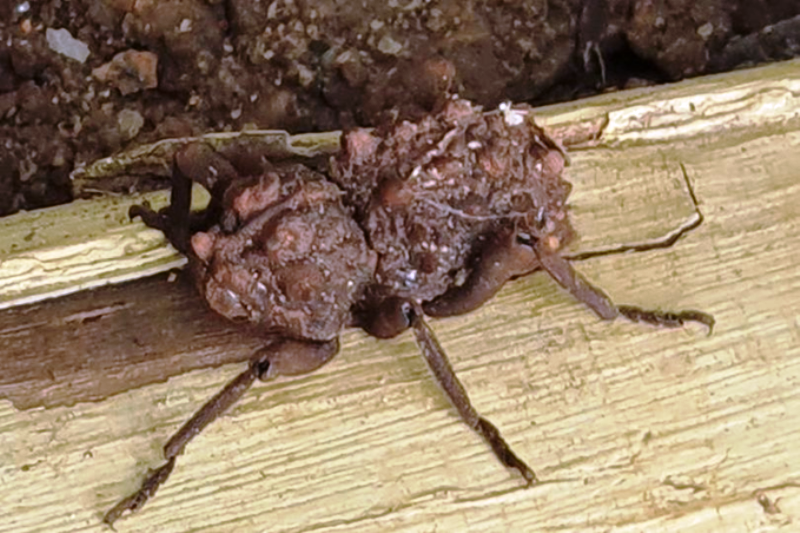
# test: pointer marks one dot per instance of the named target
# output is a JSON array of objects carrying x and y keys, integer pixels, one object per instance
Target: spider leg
[
  {"x": 502, "y": 258},
  {"x": 285, "y": 357},
  {"x": 193, "y": 163},
  {"x": 211, "y": 410},
  {"x": 175, "y": 219},
  {"x": 561, "y": 270},
  {"x": 444, "y": 374}
]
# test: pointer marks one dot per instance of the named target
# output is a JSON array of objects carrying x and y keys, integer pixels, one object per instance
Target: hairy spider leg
[
  {"x": 561, "y": 270},
  {"x": 508, "y": 256}
]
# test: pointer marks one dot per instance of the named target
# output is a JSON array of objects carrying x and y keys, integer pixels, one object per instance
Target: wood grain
[{"x": 638, "y": 429}]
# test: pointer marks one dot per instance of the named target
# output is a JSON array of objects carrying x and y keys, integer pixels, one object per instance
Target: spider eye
[{"x": 262, "y": 368}]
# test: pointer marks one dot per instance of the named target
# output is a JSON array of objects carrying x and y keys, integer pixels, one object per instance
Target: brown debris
[{"x": 130, "y": 71}]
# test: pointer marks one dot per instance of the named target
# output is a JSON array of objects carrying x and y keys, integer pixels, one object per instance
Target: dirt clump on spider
[{"x": 415, "y": 217}]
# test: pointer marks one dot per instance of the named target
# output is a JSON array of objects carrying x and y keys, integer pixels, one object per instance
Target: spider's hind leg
[
  {"x": 440, "y": 366},
  {"x": 667, "y": 319}
]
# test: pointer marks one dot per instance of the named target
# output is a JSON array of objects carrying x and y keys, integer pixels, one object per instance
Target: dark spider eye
[{"x": 262, "y": 367}]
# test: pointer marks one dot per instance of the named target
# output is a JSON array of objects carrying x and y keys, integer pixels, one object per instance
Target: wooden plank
[{"x": 639, "y": 429}]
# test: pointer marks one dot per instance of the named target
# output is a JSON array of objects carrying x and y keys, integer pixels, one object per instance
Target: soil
[{"x": 166, "y": 68}]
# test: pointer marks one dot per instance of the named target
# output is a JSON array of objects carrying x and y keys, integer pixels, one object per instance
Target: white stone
[{"x": 64, "y": 43}]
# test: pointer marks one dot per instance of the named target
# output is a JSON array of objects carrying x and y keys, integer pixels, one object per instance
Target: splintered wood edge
[
  {"x": 91, "y": 243},
  {"x": 758, "y": 98},
  {"x": 160, "y": 152}
]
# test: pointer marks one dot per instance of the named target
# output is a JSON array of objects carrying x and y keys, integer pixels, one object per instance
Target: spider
[{"x": 419, "y": 218}]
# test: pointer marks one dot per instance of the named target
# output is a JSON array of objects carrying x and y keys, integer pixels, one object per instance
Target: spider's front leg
[
  {"x": 173, "y": 220},
  {"x": 193, "y": 163},
  {"x": 286, "y": 357}
]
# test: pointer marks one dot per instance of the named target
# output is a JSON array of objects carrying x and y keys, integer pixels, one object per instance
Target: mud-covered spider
[{"x": 419, "y": 218}]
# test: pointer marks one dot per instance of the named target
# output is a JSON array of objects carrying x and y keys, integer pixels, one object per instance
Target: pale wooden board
[{"x": 622, "y": 414}]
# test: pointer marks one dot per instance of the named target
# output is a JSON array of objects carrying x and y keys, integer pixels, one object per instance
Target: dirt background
[{"x": 136, "y": 71}]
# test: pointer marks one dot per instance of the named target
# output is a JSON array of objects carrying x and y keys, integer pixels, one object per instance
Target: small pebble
[{"x": 64, "y": 43}]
